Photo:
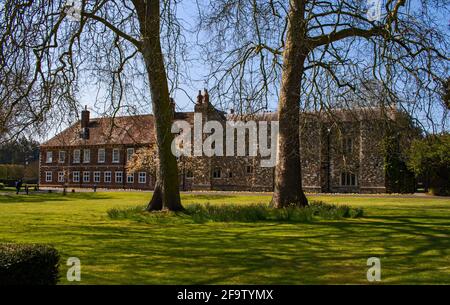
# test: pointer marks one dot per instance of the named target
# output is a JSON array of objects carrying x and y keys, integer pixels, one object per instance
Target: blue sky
[{"x": 197, "y": 70}]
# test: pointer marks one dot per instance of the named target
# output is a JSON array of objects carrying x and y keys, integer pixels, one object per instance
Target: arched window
[{"x": 348, "y": 179}]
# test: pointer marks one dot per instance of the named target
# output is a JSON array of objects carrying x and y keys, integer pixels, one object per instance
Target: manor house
[{"x": 341, "y": 151}]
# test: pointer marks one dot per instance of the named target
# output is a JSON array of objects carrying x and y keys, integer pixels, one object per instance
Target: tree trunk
[
  {"x": 288, "y": 179},
  {"x": 167, "y": 190}
]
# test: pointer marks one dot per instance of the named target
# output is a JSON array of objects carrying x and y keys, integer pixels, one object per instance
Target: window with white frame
[
  {"x": 76, "y": 176},
  {"x": 142, "y": 177},
  {"x": 348, "y": 179},
  {"x": 62, "y": 156},
  {"x": 76, "y": 156},
  {"x": 130, "y": 152},
  {"x": 115, "y": 155},
  {"x": 49, "y": 157},
  {"x": 48, "y": 176},
  {"x": 61, "y": 177},
  {"x": 119, "y": 177},
  {"x": 107, "y": 177},
  {"x": 130, "y": 178},
  {"x": 97, "y": 177},
  {"x": 86, "y": 176},
  {"x": 101, "y": 155},
  {"x": 86, "y": 156}
]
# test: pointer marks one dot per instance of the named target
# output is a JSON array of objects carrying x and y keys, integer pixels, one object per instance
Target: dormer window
[{"x": 84, "y": 134}]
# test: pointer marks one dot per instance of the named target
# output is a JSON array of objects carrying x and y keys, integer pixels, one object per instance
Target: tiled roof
[
  {"x": 139, "y": 129},
  {"x": 126, "y": 130}
]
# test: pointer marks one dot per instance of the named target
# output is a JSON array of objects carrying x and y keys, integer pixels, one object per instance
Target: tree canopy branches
[
  {"x": 48, "y": 59},
  {"x": 406, "y": 52}
]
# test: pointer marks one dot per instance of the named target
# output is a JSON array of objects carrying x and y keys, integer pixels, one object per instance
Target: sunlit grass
[{"x": 411, "y": 236}]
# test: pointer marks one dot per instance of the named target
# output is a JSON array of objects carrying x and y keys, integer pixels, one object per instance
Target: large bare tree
[
  {"x": 50, "y": 49},
  {"x": 299, "y": 50}
]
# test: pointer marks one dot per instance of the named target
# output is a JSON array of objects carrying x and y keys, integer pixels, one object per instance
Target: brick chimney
[
  {"x": 206, "y": 97},
  {"x": 84, "y": 134},
  {"x": 199, "y": 105},
  {"x": 199, "y": 97},
  {"x": 172, "y": 105},
  {"x": 85, "y": 118}
]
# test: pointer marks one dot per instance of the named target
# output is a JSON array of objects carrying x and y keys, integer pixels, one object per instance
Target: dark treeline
[{"x": 19, "y": 151}]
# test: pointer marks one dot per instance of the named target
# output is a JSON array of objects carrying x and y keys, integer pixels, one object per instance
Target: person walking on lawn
[{"x": 18, "y": 186}]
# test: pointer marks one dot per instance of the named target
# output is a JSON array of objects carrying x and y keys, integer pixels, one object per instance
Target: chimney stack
[
  {"x": 202, "y": 104},
  {"x": 85, "y": 118},
  {"x": 172, "y": 105},
  {"x": 199, "y": 97},
  {"x": 206, "y": 97},
  {"x": 84, "y": 134}
]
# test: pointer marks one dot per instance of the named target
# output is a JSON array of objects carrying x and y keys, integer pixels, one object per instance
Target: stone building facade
[{"x": 341, "y": 152}]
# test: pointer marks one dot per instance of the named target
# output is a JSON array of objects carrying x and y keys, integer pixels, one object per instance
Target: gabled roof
[
  {"x": 125, "y": 130},
  {"x": 103, "y": 131}
]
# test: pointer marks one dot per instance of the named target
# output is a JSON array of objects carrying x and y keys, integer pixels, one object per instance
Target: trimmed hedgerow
[
  {"x": 201, "y": 213},
  {"x": 28, "y": 264}
]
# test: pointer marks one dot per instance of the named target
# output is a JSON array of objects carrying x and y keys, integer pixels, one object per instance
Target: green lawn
[{"x": 411, "y": 236}]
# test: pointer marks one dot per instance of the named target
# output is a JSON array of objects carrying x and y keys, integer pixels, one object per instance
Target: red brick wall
[{"x": 93, "y": 166}]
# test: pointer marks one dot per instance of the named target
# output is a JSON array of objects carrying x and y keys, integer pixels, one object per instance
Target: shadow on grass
[
  {"x": 51, "y": 197},
  {"x": 267, "y": 253},
  {"x": 412, "y": 243}
]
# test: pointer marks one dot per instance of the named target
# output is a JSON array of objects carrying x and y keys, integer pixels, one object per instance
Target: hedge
[
  {"x": 11, "y": 171},
  {"x": 28, "y": 264}
]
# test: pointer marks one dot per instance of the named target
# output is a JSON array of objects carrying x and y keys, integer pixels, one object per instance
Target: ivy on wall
[{"x": 399, "y": 179}]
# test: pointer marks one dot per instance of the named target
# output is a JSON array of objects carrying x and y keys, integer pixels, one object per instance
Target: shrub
[
  {"x": 28, "y": 264},
  {"x": 227, "y": 212},
  {"x": 429, "y": 159},
  {"x": 201, "y": 213},
  {"x": 2, "y": 186}
]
